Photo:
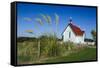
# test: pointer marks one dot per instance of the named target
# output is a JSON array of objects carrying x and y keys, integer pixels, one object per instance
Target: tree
[{"x": 93, "y": 32}]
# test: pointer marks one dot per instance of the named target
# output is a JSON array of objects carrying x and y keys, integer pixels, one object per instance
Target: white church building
[{"x": 73, "y": 33}]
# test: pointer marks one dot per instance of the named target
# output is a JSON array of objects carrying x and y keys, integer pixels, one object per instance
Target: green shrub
[
  {"x": 50, "y": 46},
  {"x": 69, "y": 45}
]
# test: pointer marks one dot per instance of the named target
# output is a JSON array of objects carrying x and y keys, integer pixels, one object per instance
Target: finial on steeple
[{"x": 70, "y": 19}]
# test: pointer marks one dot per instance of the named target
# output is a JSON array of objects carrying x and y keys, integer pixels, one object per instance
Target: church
[{"x": 73, "y": 33}]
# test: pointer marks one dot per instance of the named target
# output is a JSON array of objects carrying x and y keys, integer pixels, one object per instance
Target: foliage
[
  {"x": 49, "y": 47},
  {"x": 26, "y": 51},
  {"x": 93, "y": 32}
]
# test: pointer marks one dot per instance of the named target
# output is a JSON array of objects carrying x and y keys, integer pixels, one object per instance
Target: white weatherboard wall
[
  {"x": 73, "y": 37},
  {"x": 66, "y": 35},
  {"x": 79, "y": 39}
]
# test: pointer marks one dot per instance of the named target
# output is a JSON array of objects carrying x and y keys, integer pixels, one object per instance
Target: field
[
  {"x": 86, "y": 54},
  {"x": 49, "y": 50}
]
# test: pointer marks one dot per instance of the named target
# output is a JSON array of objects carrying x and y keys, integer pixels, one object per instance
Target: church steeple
[{"x": 70, "y": 19}]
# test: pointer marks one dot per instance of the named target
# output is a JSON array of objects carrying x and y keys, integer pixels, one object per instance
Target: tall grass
[
  {"x": 48, "y": 45},
  {"x": 28, "y": 51}
]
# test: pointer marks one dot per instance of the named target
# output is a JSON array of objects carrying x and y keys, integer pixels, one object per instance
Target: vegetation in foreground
[
  {"x": 87, "y": 54},
  {"x": 47, "y": 49}
]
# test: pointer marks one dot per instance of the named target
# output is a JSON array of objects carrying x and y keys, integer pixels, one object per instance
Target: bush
[
  {"x": 50, "y": 46},
  {"x": 69, "y": 45}
]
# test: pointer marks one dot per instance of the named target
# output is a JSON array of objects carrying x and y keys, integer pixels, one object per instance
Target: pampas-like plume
[
  {"x": 29, "y": 31},
  {"x": 27, "y": 19},
  {"x": 56, "y": 19},
  {"x": 44, "y": 17},
  {"x": 49, "y": 19},
  {"x": 39, "y": 21}
]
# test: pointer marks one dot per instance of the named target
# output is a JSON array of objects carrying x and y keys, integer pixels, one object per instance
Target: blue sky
[{"x": 84, "y": 17}]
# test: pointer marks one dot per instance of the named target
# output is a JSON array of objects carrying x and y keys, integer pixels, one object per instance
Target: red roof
[{"x": 76, "y": 29}]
